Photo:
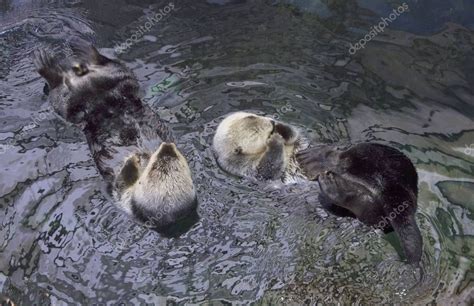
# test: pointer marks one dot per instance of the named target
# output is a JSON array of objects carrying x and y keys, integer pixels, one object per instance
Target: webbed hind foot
[
  {"x": 344, "y": 192},
  {"x": 48, "y": 67},
  {"x": 335, "y": 188},
  {"x": 85, "y": 51}
]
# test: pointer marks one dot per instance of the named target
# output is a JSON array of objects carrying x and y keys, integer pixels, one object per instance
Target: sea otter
[
  {"x": 373, "y": 182},
  {"x": 254, "y": 146},
  {"x": 132, "y": 147}
]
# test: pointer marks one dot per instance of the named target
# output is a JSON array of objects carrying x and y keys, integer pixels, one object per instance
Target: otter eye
[
  {"x": 238, "y": 150},
  {"x": 80, "y": 69}
]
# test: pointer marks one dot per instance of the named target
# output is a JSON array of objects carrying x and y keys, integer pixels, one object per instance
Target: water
[{"x": 63, "y": 242}]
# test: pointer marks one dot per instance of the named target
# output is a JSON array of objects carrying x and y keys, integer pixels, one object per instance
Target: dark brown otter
[{"x": 375, "y": 183}]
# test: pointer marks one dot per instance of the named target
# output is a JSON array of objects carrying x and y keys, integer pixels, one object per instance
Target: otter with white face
[
  {"x": 156, "y": 188},
  {"x": 254, "y": 146},
  {"x": 131, "y": 146}
]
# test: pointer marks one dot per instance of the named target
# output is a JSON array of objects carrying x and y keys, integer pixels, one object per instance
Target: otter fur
[
  {"x": 132, "y": 147},
  {"x": 5, "y": 301},
  {"x": 249, "y": 145},
  {"x": 373, "y": 182}
]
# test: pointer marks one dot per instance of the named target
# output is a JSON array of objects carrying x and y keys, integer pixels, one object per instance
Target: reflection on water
[{"x": 63, "y": 241}]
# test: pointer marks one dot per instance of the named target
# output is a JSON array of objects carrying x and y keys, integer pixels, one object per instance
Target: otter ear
[{"x": 238, "y": 150}]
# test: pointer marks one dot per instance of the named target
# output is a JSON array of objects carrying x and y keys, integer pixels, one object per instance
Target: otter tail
[
  {"x": 410, "y": 237},
  {"x": 400, "y": 207},
  {"x": 48, "y": 67}
]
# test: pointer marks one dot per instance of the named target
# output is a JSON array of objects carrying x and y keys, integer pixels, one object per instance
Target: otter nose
[
  {"x": 273, "y": 126},
  {"x": 167, "y": 149},
  {"x": 167, "y": 144}
]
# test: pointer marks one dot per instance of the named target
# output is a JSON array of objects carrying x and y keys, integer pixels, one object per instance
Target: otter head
[
  {"x": 158, "y": 188},
  {"x": 248, "y": 134},
  {"x": 243, "y": 133},
  {"x": 242, "y": 139}
]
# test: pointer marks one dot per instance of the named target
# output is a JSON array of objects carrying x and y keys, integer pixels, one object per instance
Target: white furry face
[
  {"x": 166, "y": 180},
  {"x": 157, "y": 188},
  {"x": 243, "y": 133},
  {"x": 242, "y": 140}
]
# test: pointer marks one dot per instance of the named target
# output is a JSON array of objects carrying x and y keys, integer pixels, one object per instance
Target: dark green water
[{"x": 63, "y": 242}]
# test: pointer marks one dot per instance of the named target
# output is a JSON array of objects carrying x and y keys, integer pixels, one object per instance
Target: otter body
[
  {"x": 132, "y": 147},
  {"x": 254, "y": 146},
  {"x": 373, "y": 182}
]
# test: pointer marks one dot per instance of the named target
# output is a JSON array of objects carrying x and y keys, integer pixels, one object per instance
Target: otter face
[
  {"x": 245, "y": 133},
  {"x": 244, "y": 142},
  {"x": 164, "y": 191}
]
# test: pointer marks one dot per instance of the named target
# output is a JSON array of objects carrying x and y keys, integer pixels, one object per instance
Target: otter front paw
[
  {"x": 288, "y": 133},
  {"x": 271, "y": 165},
  {"x": 48, "y": 67},
  {"x": 129, "y": 173},
  {"x": 276, "y": 141}
]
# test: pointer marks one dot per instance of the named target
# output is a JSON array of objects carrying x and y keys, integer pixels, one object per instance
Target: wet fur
[
  {"x": 148, "y": 177},
  {"x": 254, "y": 146},
  {"x": 368, "y": 181}
]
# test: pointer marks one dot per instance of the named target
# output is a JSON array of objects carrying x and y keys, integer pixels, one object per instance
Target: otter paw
[
  {"x": 44, "y": 61},
  {"x": 48, "y": 67},
  {"x": 87, "y": 52},
  {"x": 288, "y": 133},
  {"x": 310, "y": 164},
  {"x": 129, "y": 173},
  {"x": 333, "y": 187},
  {"x": 276, "y": 140}
]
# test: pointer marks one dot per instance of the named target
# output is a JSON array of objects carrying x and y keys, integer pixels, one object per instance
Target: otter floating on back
[
  {"x": 373, "y": 182},
  {"x": 132, "y": 147},
  {"x": 376, "y": 183},
  {"x": 254, "y": 146}
]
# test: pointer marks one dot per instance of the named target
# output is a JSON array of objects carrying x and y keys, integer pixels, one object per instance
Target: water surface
[{"x": 64, "y": 242}]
